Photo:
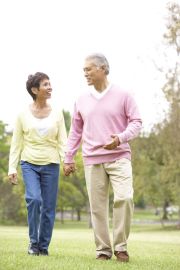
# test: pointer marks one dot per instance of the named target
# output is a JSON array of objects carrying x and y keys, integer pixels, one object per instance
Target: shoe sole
[
  {"x": 122, "y": 260},
  {"x": 102, "y": 259},
  {"x": 33, "y": 254}
]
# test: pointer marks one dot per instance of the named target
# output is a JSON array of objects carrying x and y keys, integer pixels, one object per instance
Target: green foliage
[
  {"x": 4, "y": 149},
  {"x": 171, "y": 126},
  {"x": 173, "y": 25},
  {"x": 72, "y": 192},
  {"x": 12, "y": 208},
  {"x": 157, "y": 156},
  {"x": 161, "y": 152},
  {"x": 67, "y": 119}
]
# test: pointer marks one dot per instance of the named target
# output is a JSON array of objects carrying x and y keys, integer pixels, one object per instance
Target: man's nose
[{"x": 85, "y": 73}]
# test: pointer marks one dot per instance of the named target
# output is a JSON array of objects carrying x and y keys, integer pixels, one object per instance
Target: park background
[{"x": 141, "y": 40}]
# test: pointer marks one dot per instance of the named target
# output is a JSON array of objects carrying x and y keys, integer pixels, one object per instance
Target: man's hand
[
  {"x": 13, "y": 178},
  {"x": 113, "y": 144},
  {"x": 69, "y": 168}
]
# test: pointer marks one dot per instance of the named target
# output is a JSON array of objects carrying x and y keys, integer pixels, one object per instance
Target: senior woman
[{"x": 38, "y": 142}]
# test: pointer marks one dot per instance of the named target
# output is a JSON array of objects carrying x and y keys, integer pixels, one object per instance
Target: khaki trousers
[{"x": 98, "y": 177}]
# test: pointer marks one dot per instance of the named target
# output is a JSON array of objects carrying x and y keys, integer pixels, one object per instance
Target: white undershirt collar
[{"x": 99, "y": 95}]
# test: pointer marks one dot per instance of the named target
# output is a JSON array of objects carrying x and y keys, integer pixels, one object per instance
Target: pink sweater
[{"x": 95, "y": 120}]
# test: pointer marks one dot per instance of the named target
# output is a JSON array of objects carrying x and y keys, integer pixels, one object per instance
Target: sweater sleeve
[
  {"x": 134, "y": 120},
  {"x": 62, "y": 138},
  {"x": 75, "y": 135},
  {"x": 16, "y": 147}
]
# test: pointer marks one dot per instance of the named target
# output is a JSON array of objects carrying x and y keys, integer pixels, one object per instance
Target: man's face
[{"x": 92, "y": 73}]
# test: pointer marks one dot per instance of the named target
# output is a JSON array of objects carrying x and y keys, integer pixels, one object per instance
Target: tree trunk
[
  {"x": 89, "y": 216},
  {"x": 62, "y": 215},
  {"x": 165, "y": 213},
  {"x": 72, "y": 214},
  {"x": 178, "y": 223},
  {"x": 78, "y": 215}
]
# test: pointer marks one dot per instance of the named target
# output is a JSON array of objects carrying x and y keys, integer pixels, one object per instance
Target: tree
[
  {"x": 67, "y": 119},
  {"x": 169, "y": 130},
  {"x": 10, "y": 198},
  {"x": 4, "y": 150},
  {"x": 172, "y": 92}
]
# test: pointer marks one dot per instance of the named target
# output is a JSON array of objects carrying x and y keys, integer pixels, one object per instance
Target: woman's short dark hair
[{"x": 34, "y": 81}]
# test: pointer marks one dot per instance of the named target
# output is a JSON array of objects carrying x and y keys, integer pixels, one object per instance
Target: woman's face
[{"x": 44, "y": 90}]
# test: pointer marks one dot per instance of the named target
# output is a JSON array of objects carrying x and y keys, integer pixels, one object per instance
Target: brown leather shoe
[
  {"x": 103, "y": 257},
  {"x": 122, "y": 256}
]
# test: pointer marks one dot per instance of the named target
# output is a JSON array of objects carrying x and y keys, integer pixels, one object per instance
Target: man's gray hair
[{"x": 99, "y": 60}]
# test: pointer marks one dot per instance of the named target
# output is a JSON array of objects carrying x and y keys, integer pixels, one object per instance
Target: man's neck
[{"x": 101, "y": 86}]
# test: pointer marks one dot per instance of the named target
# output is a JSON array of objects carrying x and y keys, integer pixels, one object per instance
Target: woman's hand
[{"x": 13, "y": 178}]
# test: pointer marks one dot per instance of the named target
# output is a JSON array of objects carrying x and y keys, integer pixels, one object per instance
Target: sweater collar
[{"x": 99, "y": 95}]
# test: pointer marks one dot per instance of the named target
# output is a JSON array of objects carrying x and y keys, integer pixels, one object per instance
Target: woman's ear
[{"x": 34, "y": 90}]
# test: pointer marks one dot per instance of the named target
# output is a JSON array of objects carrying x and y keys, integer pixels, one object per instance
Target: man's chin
[{"x": 89, "y": 83}]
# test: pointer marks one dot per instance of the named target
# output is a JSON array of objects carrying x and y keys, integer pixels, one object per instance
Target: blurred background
[{"x": 141, "y": 40}]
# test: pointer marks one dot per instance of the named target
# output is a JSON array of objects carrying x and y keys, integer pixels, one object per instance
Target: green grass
[{"x": 72, "y": 248}]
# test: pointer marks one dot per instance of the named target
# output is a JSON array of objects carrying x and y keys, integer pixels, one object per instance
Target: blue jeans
[{"x": 41, "y": 187}]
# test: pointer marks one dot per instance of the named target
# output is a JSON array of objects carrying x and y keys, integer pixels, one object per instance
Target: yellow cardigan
[{"x": 29, "y": 145}]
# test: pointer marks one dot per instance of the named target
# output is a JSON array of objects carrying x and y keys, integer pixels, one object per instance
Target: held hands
[
  {"x": 13, "y": 178},
  {"x": 113, "y": 144},
  {"x": 69, "y": 168}
]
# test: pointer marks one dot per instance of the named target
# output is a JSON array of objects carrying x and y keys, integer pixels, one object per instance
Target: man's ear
[
  {"x": 34, "y": 90},
  {"x": 103, "y": 67}
]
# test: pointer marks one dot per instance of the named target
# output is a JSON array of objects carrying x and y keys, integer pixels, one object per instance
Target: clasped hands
[{"x": 69, "y": 168}]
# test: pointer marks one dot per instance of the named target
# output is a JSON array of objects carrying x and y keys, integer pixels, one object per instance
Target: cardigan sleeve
[
  {"x": 62, "y": 138},
  {"x": 16, "y": 146}
]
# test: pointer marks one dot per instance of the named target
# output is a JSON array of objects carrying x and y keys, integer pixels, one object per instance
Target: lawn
[{"x": 72, "y": 247}]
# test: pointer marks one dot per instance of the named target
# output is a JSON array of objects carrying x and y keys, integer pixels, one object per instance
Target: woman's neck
[
  {"x": 40, "y": 104},
  {"x": 40, "y": 109}
]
